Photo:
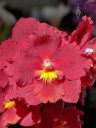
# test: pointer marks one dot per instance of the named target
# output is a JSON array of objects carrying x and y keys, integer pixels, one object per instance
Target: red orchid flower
[
  {"x": 18, "y": 112},
  {"x": 44, "y": 59}
]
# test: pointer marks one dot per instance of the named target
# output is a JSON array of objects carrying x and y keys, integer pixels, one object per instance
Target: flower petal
[
  {"x": 9, "y": 117},
  {"x": 22, "y": 69},
  {"x": 83, "y": 32},
  {"x": 48, "y": 92},
  {"x": 72, "y": 91},
  {"x": 69, "y": 59},
  {"x": 3, "y": 79},
  {"x": 26, "y": 93},
  {"x": 27, "y": 120}
]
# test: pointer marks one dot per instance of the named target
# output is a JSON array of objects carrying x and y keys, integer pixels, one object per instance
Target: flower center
[
  {"x": 48, "y": 76},
  {"x": 48, "y": 73},
  {"x": 9, "y": 104},
  {"x": 47, "y": 64}
]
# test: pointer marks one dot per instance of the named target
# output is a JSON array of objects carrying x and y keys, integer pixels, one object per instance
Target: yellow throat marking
[
  {"x": 9, "y": 104},
  {"x": 48, "y": 75}
]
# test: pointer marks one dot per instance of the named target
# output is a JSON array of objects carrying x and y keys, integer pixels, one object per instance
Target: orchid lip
[
  {"x": 48, "y": 74},
  {"x": 9, "y": 104}
]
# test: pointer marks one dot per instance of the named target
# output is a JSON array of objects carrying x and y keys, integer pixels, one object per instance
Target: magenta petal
[
  {"x": 72, "y": 91},
  {"x": 1, "y": 100},
  {"x": 27, "y": 120},
  {"x": 23, "y": 68},
  {"x": 48, "y": 92},
  {"x": 27, "y": 94},
  {"x": 83, "y": 32},
  {"x": 3, "y": 79},
  {"x": 8, "y": 50},
  {"x": 9, "y": 117},
  {"x": 24, "y": 27},
  {"x": 72, "y": 64}
]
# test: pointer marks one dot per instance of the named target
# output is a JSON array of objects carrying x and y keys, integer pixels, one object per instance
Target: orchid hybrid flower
[{"x": 41, "y": 66}]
